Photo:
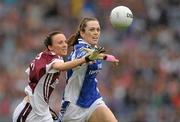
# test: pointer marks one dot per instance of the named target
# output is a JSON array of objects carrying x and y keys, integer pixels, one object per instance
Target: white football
[{"x": 121, "y": 17}]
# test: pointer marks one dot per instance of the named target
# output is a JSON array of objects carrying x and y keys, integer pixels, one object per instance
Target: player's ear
[
  {"x": 50, "y": 47},
  {"x": 82, "y": 34}
]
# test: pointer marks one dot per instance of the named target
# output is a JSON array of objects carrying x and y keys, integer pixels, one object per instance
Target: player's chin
[
  {"x": 64, "y": 53},
  {"x": 94, "y": 42}
]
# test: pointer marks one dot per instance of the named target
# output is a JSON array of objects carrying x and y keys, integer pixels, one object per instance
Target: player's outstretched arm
[
  {"x": 94, "y": 55},
  {"x": 102, "y": 55}
]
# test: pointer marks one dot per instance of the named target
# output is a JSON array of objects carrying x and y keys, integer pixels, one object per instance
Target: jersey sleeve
[{"x": 49, "y": 68}]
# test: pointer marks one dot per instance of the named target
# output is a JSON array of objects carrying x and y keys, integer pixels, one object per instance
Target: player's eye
[
  {"x": 62, "y": 41},
  {"x": 98, "y": 29},
  {"x": 91, "y": 29}
]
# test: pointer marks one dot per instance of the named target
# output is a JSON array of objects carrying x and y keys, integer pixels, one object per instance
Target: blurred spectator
[{"x": 144, "y": 87}]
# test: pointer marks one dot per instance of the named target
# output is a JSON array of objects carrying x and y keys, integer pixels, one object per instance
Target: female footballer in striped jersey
[
  {"x": 43, "y": 74},
  {"x": 82, "y": 101}
]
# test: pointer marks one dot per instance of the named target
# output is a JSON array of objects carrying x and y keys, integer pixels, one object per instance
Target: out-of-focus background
[{"x": 144, "y": 87}]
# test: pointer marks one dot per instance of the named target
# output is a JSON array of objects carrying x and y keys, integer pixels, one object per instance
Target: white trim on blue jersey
[{"x": 81, "y": 88}]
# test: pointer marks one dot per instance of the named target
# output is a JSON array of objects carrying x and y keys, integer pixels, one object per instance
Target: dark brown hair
[
  {"x": 74, "y": 37},
  {"x": 48, "y": 39}
]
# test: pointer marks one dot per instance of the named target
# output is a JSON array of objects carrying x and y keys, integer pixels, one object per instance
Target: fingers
[
  {"x": 100, "y": 49},
  {"x": 98, "y": 54},
  {"x": 96, "y": 50}
]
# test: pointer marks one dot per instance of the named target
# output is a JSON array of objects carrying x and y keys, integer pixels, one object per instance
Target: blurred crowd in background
[{"x": 144, "y": 87}]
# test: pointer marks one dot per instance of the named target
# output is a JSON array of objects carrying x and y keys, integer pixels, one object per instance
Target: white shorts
[
  {"x": 24, "y": 112},
  {"x": 74, "y": 113}
]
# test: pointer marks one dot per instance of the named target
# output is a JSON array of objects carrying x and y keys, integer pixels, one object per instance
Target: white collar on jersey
[
  {"x": 53, "y": 53},
  {"x": 81, "y": 41}
]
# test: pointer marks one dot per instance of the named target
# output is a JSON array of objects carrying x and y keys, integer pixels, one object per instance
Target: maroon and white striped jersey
[{"x": 42, "y": 81}]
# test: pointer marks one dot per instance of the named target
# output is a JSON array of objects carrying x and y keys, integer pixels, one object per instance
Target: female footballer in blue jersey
[
  {"x": 43, "y": 76},
  {"x": 82, "y": 101}
]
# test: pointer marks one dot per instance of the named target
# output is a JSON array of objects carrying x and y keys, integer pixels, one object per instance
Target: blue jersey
[{"x": 81, "y": 88}]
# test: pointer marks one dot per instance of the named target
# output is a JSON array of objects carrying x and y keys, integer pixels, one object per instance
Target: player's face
[
  {"x": 59, "y": 45},
  {"x": 92, "y": 32}
]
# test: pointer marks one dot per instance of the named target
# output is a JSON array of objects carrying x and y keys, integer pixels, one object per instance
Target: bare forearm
[{"x": 69, "y": 64}]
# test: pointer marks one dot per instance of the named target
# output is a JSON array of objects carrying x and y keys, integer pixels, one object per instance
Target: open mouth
[
  {"x": 95, "y": 38},
  {"x": 64, "y": 50}
]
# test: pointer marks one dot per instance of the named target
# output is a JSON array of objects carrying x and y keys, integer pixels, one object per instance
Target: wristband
[{"x": 110, "y": 58}]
